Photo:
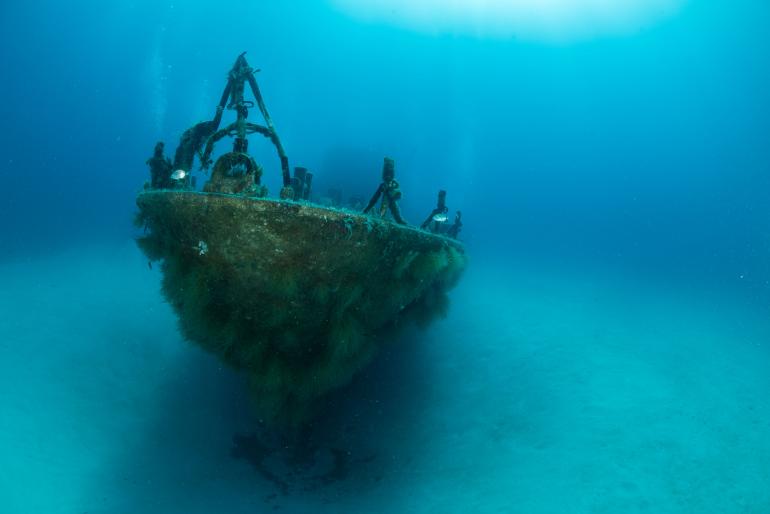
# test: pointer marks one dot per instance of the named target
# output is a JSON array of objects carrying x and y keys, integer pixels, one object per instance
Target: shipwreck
[{"x": 297, "y": 295}]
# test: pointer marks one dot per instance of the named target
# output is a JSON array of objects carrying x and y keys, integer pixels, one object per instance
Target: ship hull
[{"x": 298, "y": 296}]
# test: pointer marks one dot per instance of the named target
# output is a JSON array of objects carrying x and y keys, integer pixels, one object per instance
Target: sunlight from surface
[{"x": 529, "y": 19}]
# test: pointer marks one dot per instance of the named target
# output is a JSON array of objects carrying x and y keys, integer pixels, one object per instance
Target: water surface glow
[{"x": 529, "y": 19}]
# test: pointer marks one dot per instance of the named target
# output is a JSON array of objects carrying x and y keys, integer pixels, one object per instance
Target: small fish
[
  {"x": 149, "y": 264},
  {"x": 440, "y": 218},
  {"x": 178, "y": 175},
  {"x": 202, "y": 248}
]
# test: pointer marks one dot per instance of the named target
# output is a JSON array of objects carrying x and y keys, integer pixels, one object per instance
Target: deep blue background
[{"x": 647, "y": 152}]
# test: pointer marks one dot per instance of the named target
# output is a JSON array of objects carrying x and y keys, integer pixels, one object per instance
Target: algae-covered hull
[{"x": 297, "y": 295}]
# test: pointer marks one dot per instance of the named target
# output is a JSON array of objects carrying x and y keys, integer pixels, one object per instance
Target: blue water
[{"x": 608, "y": 349}]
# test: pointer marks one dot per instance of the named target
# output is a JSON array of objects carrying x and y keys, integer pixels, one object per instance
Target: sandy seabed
[{"x": 544, "y": 391}]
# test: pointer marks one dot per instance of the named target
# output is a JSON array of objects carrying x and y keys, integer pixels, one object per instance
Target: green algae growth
[{"x": 297, "y": 296}]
